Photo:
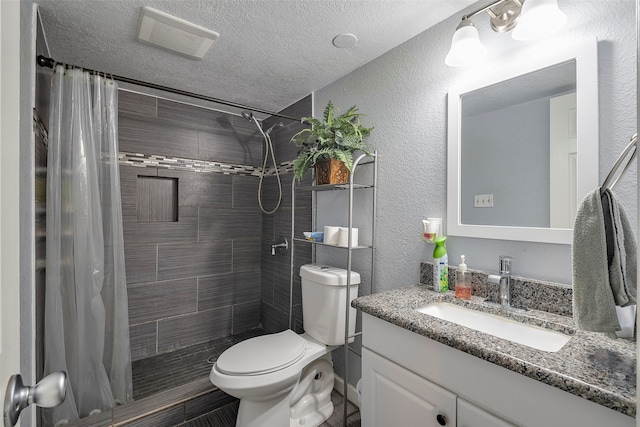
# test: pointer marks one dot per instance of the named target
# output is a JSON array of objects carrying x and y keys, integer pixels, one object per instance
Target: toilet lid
[{"x": 262, "y": 355}]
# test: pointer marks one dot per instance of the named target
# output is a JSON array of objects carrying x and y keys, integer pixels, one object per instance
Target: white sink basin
[{"x": 501, "y": 327}]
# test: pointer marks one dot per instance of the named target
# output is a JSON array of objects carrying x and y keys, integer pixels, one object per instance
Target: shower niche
[{"x": 157, "y": 199}]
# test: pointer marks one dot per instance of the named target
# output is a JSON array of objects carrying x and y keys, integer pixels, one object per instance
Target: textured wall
[
  {"x": 404, "y": 95},
  {"x": 198, "y": 278}
]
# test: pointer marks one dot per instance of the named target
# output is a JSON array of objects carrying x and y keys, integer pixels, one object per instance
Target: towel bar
[{"x": 633, "y": 145}]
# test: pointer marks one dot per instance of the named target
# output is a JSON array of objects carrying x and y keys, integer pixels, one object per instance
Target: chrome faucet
[
  {"x": 504, "y": 280},
  {"x": 280, "y": 246}
]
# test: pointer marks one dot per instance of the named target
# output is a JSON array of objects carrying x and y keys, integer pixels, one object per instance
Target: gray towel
[
  {"x": 621, "y": 254},
  {"x": 604, "y": 262}
]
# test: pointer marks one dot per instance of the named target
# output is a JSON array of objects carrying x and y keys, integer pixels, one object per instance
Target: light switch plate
[{"x": 483, "y": 201}]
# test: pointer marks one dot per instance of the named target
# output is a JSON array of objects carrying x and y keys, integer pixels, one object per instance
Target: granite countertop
[{"x": 590, "y": 365}]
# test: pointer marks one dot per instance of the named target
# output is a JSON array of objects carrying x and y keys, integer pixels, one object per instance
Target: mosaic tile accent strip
[{"x": 177, "y": 163}]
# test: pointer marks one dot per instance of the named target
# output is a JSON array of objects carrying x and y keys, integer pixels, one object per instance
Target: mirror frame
[{"x": 585, "y": 54}]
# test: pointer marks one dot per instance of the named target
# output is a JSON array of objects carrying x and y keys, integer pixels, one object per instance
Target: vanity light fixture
[
  {"x": 466, "y": 47},
  {"x": 529, "y": 19},
  {"x": 539, "y": 17}
]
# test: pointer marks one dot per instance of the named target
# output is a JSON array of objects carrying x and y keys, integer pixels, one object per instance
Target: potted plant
[{"x": 329, "y": 145}]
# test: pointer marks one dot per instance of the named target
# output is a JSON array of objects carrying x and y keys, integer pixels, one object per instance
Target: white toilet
[{"x": 284, "y": 378}]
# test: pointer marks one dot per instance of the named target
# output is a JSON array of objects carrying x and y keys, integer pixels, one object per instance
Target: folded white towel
[{"x": 604, "y": 262}]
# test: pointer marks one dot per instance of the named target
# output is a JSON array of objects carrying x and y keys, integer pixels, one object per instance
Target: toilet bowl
[
  {"x": 263, "y": 373},
  {"x": 311, "y": 404},
  {"x": 284, "y": 378}
]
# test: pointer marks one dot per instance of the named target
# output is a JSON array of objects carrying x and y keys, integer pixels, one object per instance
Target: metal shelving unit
[{"x": 363, "y": 160}]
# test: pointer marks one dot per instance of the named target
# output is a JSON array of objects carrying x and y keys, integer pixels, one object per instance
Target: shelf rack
[{"x": 360, "y": 161}]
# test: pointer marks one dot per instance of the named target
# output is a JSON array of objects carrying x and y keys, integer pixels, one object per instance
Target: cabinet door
[
  {"x": 470, "y": 415},
  {"x": 395, "y": 396}
]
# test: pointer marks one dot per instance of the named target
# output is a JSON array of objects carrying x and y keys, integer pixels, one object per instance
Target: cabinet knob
[{"x": 441, "y": 419}]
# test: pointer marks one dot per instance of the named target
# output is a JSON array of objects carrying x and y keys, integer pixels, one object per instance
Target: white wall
[
  {"x": 27, "y": 200},
  {"x": 404, "y": 95},
  {"x": 10, "y": 354}
]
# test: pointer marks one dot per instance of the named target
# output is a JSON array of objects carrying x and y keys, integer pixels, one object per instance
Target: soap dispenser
[{"x": 463, "y": 281}]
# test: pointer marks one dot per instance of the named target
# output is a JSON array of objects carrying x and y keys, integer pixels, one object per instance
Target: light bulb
[
  {"x": 538, "y": 18},
  {"x": 466, "y": 47}
]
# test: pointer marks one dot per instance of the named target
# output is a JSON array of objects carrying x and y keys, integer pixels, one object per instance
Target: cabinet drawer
[
  {"x": 470, "y": 415},
  {"x": 393, "y": 395}
]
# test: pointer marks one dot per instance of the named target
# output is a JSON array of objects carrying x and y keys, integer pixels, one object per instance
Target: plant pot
[{"x": 331, "y": 171}]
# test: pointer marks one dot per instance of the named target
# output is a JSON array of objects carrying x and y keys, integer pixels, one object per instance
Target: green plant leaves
[{"x": 332, "y": 137}]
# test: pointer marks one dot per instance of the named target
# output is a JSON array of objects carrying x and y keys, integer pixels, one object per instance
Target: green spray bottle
[{"x": 440, "y": 266}]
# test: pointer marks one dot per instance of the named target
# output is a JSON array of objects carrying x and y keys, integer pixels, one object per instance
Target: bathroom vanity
[{"x": 421, "y": 370}]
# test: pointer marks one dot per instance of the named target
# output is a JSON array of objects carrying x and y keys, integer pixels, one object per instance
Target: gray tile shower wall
[
  {"x": 197, "y": 278},
  {"x": 275, "y": 289}
]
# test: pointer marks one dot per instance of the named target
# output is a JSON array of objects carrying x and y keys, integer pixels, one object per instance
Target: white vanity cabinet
[
  {"x": 409, "y": 380},
  {"x": 397, "y": 396},
  {"x": 470, "y": 415}
]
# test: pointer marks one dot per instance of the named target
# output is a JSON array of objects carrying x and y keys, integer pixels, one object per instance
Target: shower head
[
  {"x": 249, "y": 116},
  {"x": 277, "y": 125}
]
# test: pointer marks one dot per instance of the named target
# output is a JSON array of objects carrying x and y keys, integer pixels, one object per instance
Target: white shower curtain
[{"x": 86, "y": 331}]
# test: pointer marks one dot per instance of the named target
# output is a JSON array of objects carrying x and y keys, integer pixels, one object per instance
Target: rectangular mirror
[{"x": 523, "y": 148}]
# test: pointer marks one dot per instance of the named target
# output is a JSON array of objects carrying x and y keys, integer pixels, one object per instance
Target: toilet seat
[{"x": 262, "y": 355}]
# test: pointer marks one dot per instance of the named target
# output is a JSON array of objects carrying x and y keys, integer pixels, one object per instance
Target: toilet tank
[{"x": 324, "y": 291}]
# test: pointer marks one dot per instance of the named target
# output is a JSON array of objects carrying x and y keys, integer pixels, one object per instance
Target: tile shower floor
[
  {"x": 166, "y": 371},
  {"x": 169, "y": 370}
]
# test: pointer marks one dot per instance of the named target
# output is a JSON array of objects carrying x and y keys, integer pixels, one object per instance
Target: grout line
[
  {"x": 232, "y": 322},
  {"x": 157, "y": 260}
]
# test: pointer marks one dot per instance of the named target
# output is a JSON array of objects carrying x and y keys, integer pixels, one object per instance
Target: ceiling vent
[{"x": 174, "y": 34}]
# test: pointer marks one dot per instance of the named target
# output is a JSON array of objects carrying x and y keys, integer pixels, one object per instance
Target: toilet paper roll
[
  {"x": 343, "y": 237},
  {"x": 331, "y": 235}
]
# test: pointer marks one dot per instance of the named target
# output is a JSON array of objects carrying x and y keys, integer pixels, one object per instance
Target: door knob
[{"x": 47, "y": 393}]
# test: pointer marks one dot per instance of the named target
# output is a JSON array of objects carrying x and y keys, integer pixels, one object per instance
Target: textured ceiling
[{"x": 270, "y": 53}]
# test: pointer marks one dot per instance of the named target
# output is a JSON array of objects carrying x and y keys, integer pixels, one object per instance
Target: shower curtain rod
[{"x": 43, "y": 61}]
